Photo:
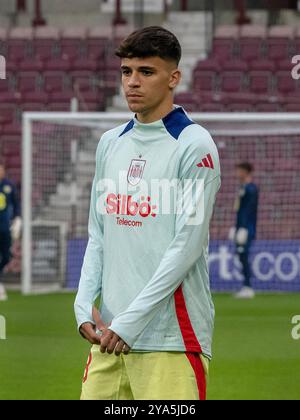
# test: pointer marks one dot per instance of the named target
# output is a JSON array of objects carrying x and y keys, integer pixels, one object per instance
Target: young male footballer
[{"x": 147, "y": 255}]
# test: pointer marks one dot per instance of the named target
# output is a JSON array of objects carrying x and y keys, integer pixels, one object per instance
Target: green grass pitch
[{"x": 255, "y": 356}]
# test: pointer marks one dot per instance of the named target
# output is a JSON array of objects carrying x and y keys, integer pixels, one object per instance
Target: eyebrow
[{"x": 142, "y": 68}]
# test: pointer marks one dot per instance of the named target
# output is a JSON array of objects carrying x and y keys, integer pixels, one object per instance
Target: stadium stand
[
  {"x": 47, "y": 67},
  {"x": 249, "y": 69}
]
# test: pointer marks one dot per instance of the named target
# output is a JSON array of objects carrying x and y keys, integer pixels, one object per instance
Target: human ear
[{"x": 175, "y": 79}]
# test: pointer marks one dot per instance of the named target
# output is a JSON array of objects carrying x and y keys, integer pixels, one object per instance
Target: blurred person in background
[
  {"x": 244, "y": 232},
  {"x": 10, "y": 223}
]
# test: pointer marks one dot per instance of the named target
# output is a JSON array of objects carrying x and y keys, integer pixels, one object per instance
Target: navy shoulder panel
[
  {"x": 176, "y": 122},
  {"x": 129, "y": 127},
  {"x": 252, "y": 188}
]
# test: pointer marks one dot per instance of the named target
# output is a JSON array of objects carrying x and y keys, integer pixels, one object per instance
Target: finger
[
  {"x": 119, "y": 348},
  {"x": 85, "y": 332},
  {"x": 95, "y": 339},
  {"x": 92, "y": 338},
  {"x": 89, "y": 334},
  {"x": 126, "y": 350},
  {"x": 84, "y": 328},
  {"x": 112, "y": 344},
  {"x": 105, "y": 340}
]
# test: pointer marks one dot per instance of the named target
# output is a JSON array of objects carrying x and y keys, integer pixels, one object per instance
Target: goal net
[{"x": 58, "y": 168}]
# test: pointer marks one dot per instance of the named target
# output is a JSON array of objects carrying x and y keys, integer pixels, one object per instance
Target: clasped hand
[{"x": 108, "y": 341}]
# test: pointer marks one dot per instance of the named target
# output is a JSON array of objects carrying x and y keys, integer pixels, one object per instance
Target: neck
[
  {"x": 248, "y": 180},
  {"x": 152, "y": 115}
]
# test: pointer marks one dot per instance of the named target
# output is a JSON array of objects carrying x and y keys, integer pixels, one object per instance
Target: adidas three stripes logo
[{"x": 207, "y": 162}]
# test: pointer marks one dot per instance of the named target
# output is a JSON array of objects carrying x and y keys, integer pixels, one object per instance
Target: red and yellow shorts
[{"x": 145, "y": 376}]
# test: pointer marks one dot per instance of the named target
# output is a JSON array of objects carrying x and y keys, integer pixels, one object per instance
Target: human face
[
  {"x": 242, "y": 175},
  {"x": 2, "y": 172},
  {"x": 148, "y": 85}
]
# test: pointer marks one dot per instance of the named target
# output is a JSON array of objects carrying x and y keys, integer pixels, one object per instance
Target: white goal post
[{"x": 57, "y": 170}]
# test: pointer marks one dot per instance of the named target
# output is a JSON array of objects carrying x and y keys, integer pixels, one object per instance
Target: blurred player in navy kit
[
  {"x": 244, "y": 233},
  {"x": 10, "y": 222}
]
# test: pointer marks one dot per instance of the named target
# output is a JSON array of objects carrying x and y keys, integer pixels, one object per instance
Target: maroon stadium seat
[
  {"x": 292, "y": 98},
  {"x": 260, "y": 81},
  {"x": 17, "y": 50},
  {"x": 233, "y": 76},
  {"x": 224, "y": 43},
  {"x": 285, "y": 83},
  {"x": 223, "y": 49},
  {"x": 113, "y": 63},
  {"x": 36, "y": 98},
  {"x": 10, "y": 97},
  {"x": 8, "y": 92},
  {"x": 45, "y": 49},
  {"x": 246, "y": 98},
  {"x": 285, "y": 65},
  {"x": 58, "y": 64},
  {"x": 232, "y": 81},
  {"x": 12, "y": 128},
  {"x": 82, "y": 79},
  {"x": 71, "y": 42},
  {"x": 18, "y": 44},
  {"x": 28, "y": 81},
  {"x": 34, "y": 106},
  {"x": 45, "y": 42},
  {"x": 263, "y": 65},
  {"x": 190, "y": 106},
  {"x": 62, "y": 96},
  {"x": 88, "y": 64},
  {"x": 279, "y": 42},
  {"x": 211, "y": 64},
  {"x": 111, "y": 80},
  {"x": 206, "y": 74},
  {"x": 239, "y": 107},
  {"x": 10, "y": 145},
  {"x": 95, "y": 48},
  {"x": 7, "y": 113},
  {"x": 31, "y": 64},
  {"x": 205, "y": 80},
  {"x": 292, "y": 107},
  {"x": 268, "y": 107},
  {"x": 278, "y": 49},
  {"x": 188, "y": 100},
  {"x": 212, "y": 107},
  {"x": 250, "y": 49},
  {"x": 91, "y": 101},
  {"x": 236, "y": 65},
  {"x": 54, "y": 81},
  {"x": 70, "y": 49},
  {"x": 58, "y": 107}
]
